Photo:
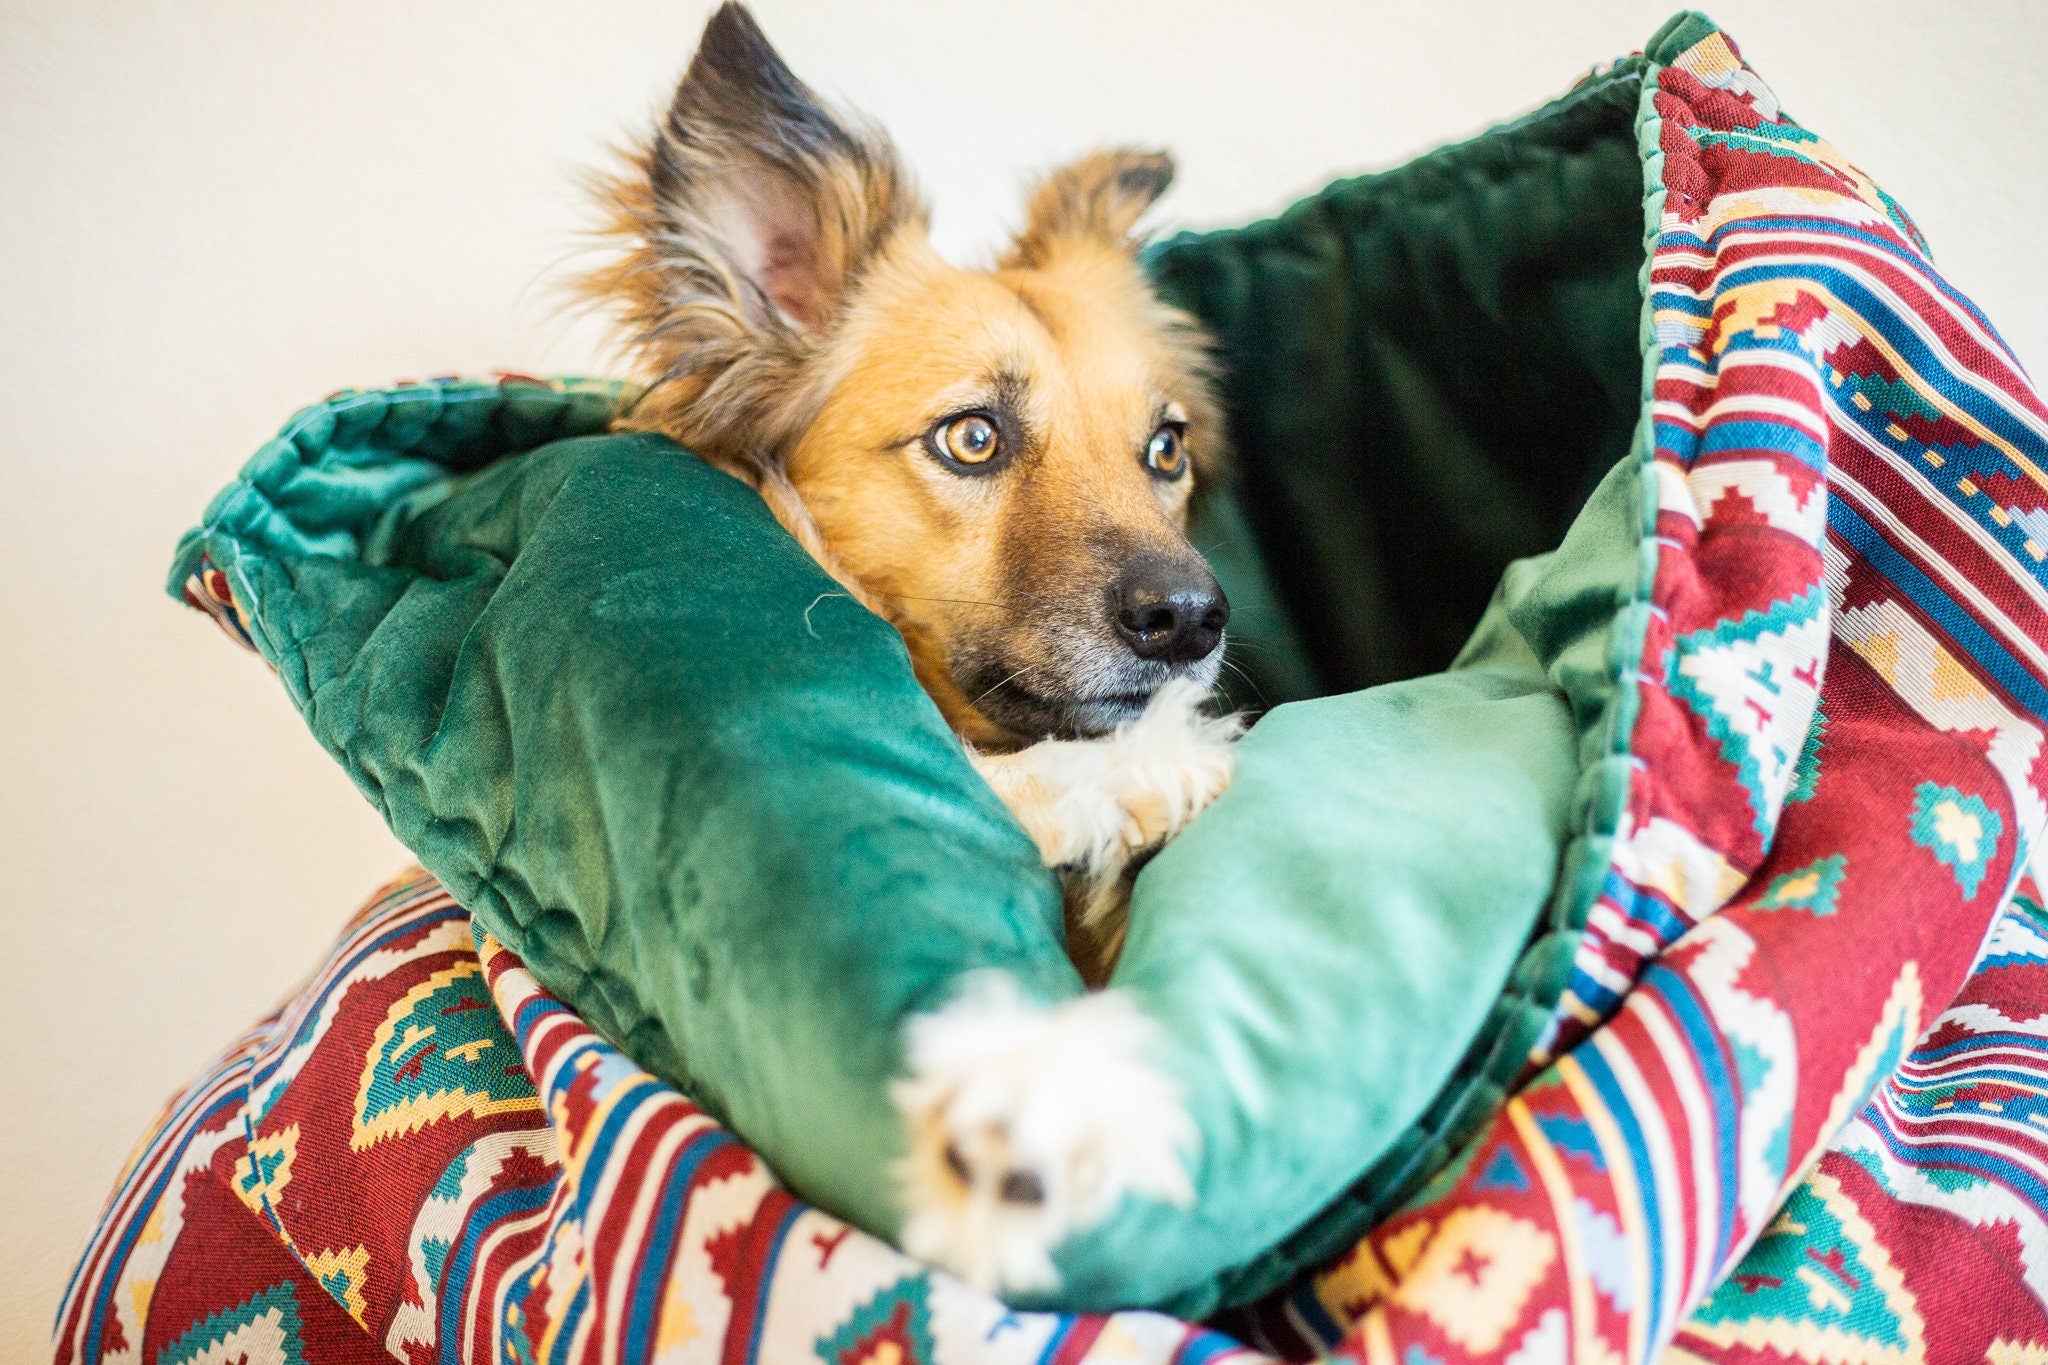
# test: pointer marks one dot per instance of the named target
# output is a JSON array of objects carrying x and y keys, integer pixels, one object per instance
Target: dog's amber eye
[
  {"x": 970, "y": 439},
  {"x": 1167, "y": 454}
]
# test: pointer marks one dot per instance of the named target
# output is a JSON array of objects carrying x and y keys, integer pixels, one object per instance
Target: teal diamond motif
[
  {"x": 1962, "y": 832},
  {"x": 895, "y": 1325},
  {"x": 1755, "y": 682},
  {"x": 1812, "y": 888},
  {"x": 263, "y": 1327},
  {"x": 1809, "y": 1268}
]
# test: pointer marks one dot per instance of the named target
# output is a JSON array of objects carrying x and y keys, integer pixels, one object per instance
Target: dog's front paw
[
  {"x": 1169, "y": 764},
  {"x": 1029, "y": 1123},
  {"x": 1094, "y": 804}
]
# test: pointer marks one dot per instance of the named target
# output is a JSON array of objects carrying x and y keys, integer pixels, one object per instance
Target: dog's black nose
[{"x": 1169, "y": 610}]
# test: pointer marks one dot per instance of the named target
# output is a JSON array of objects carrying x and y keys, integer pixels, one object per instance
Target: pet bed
[{"x": 1551, "y": 971}]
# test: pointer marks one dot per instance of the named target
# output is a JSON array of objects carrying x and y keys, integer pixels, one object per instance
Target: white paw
[
  {"x": 1028, "y": 1123},
  {"x": 1093, "y": 804},
  {"x": 1170, "y": 763}
]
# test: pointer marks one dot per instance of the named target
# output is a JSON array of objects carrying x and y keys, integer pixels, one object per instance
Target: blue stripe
[
  {"x": 1596, "y": 996},
  {"x": 1777, "y": 438},
  {"x": 1961, "y": 627},
  {"x": 1623, "y": 1115},
  {"x": 1640, "y": 905},
  {"x": 1919, "y": 265},
  {"x": 1645, "y": 905},
  {"x": 1681, "y": 239},
  {"x": 1968, "y": 1160},
  {"x": 1684, "y": 303},
  {"x": 641, "y": 1091},
  {"x": 2030, "y": 1042},
  {"x": 1920, "y": 358},
  {"x": 1060, "y": 1332},
  {"x": 1679, "y": 356},
  {"x": 1204, "y": 1347},
  {"x": 1678, "y": 438},
  {"x": 2022, "y": 956},
  {"x": 525, "y": 1020},
  {"x": 1706, "y": 1043},
  {"x": 461, "y": 1261},
  {"x": 789, "y": 1218},
  {"x": 1915, "y": 1092},
  {"x": 661, "y": 1239}
]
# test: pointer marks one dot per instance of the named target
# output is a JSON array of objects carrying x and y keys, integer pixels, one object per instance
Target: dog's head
[{"x": 1001, "y": 459}]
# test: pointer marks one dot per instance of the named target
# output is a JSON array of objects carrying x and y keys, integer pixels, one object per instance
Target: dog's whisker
[
  {"x": 984, "y": 696},
  {"x": 1248, "y": 682},
  {"x": 958, "y": 601}
]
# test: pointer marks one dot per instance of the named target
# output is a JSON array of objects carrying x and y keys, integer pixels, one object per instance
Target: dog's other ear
[
  {"x": 1099, "y": 199},
  {"x": 755, "y": 181}
]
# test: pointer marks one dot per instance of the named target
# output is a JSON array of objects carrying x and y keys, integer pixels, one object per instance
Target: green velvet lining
[
  {"x": 1562, "y": 267},
  {"x": 1427, "y": 371}
]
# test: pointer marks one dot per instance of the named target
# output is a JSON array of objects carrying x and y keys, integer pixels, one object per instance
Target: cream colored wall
[{"x": 212, "y": 212}]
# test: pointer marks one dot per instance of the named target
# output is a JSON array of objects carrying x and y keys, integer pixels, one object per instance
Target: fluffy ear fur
[
  {"x": 745, "y": 220},
  {"x": 1098, "y": 199}
]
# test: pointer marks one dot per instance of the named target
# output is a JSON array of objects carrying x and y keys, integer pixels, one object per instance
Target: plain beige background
[{"x": 211, "y": 213}]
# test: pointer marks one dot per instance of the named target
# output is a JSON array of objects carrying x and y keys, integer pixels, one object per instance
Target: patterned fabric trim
[
  {"x": 1921, "y": 1235},
  {"x": 207, "y": 590},
  {"x": 626, "y": 1226}
]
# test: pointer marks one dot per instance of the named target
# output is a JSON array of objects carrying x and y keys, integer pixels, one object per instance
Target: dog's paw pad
[
  {"x": 1027, "y": 1124},
  {"x": 1026, "y": 1189}
]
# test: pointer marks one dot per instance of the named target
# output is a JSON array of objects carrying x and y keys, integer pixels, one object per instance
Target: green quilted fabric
[
  {"x": 645, "y": 740},
  {"x": 656, "y": 751}
]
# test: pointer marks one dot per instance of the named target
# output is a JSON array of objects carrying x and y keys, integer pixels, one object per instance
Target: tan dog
[{"x": 1000, "y": 462}]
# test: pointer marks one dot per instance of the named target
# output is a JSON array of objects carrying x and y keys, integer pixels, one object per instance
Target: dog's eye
[
  {"x": 969, "y": 439},
  {"x": 1166, "y": 454}
]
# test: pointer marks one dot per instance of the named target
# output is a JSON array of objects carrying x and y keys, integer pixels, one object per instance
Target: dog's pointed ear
[
  {"x": 742, "y": 223},
  {"x": 1099, "y": 198},
  {"x": 751, "y": 171},
  {"x": 748, "y": 215}
]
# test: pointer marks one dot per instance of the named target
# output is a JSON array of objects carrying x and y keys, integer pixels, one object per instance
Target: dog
[{"x": 1000, "y": 462}]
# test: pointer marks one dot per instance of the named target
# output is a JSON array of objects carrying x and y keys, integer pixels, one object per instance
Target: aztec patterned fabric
[
  {"x": 1835, "y": 733},
  {"x": 424, "y": 1156},
  {"x": 370, "y": 1174},
  {"x": 1921, "y": 1234},
  {"x": 1839, "y": 773}
]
